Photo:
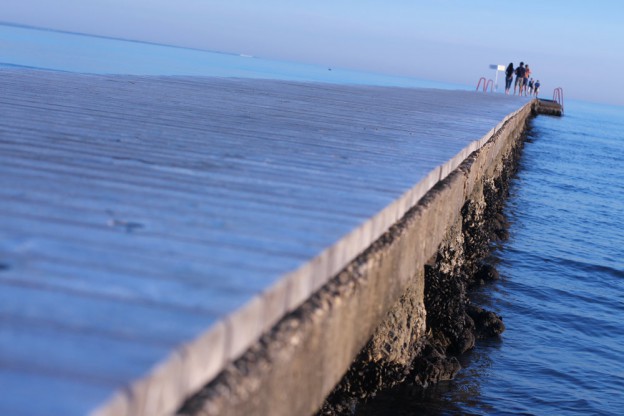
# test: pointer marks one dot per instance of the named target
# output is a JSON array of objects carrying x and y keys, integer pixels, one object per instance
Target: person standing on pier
[
  {"x": 508, "y": 77},
  {"x": 536, "y": 87},
  {"x": 519, "y": 79},
  {"x": 525, "y": 84}
]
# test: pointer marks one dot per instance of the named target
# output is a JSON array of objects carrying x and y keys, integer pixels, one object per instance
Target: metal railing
[
  {"x": 486, "y": 83},
  {"x": 558, "y": 96}
]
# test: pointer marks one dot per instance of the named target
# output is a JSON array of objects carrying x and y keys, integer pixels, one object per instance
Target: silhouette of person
[{"x": 509, "y": 72}]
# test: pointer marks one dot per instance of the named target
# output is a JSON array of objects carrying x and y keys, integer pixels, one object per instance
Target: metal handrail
[
  {"x": 479, "y": 83},
  {"x": 558, "y": 96},
  {"x": 486, "y": 83}
]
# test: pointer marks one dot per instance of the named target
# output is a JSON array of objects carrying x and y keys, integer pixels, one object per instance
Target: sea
[{"x": 561, "y": 292}]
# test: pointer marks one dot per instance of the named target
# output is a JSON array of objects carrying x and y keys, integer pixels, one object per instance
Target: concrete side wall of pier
[{"x": 377, "y": 299}]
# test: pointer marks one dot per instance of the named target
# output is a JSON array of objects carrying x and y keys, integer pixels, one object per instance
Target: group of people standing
[{"x": 524, "y": 83}]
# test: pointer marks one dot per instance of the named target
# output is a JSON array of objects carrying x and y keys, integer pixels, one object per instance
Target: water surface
[{"x": 61, "y": 51}]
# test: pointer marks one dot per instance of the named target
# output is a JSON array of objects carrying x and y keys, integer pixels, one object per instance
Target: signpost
[{"x": 496, "y": 68}]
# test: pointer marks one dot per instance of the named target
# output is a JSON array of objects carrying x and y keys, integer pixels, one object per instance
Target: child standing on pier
[{"x": 536, "y": 87}]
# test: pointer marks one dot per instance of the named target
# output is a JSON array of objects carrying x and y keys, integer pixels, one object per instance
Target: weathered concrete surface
[
  {"x": 152, "y": 228},
  {"x": 381, "y": 294}
]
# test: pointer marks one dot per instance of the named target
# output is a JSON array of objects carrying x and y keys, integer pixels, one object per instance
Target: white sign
[{"x": 497, "y": 67}]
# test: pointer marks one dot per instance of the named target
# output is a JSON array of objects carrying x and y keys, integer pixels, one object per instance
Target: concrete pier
[
  {"x": 549, "y": 107},
  {"x": 153, "y": 229}
]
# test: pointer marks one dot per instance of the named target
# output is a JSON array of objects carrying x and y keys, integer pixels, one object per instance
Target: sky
[{"x": 573, "y": 44}]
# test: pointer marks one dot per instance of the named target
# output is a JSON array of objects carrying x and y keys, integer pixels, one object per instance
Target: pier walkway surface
[{"x": 151, "y": 228}]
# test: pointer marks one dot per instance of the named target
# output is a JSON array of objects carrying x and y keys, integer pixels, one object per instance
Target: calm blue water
[
  {"x": 562, "y": 288},
  {"x": 47, "y": 49}
]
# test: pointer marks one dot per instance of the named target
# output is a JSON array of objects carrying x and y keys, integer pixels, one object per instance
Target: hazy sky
[{"x": 569, "y": 43}]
